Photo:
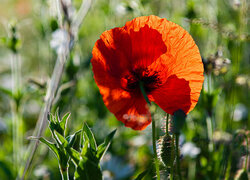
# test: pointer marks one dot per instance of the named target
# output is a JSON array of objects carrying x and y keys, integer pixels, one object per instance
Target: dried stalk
[{"x": 55, "y": 81}]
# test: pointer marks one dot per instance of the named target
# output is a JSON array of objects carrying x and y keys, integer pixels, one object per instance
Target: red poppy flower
[{"x": 155, "y": 52}]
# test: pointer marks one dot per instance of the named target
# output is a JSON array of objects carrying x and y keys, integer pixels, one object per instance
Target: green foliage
[
  {"x": 214, "y": 25},
  {"x": 142, "y": 175},
  {"x": 87, "y": 161}
]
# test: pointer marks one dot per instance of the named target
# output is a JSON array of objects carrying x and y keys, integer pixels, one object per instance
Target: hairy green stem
[
  {"x": 177, "y": 155},
  {"x": 167, "y": 125},
  {"x": 153, "y": 131},
  {"x": 172, "y": 159},
  {"x": 64, "y": 173},
  {"x": 154, "y": 149}
]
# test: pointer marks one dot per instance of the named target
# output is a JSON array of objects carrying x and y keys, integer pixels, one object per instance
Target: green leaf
[
  {"x": 7, "y": 169},
  {"x": 71, "y": 138},
  {"x": 61, "y": 139},
  {"x": 3, "y": 40},
  {"x": 88, "y": 167},
  {"x": 88, "y": 134},
  {"x": 88, "y": 171},
  {"x": 52, "y": 146},
  {"x": 51, "y": 118},
  {"x": 6, "y": 91},
  {"x": 75, "y": 155},
  {"x": 142, "y": 175},
  {"x": 63, "y": 122},
  {"x": 54, "y": 124},
  {"x": 104, "y": 146},
  {"x": 241, "y": 175},
  {"x": 57, "y": 119}
]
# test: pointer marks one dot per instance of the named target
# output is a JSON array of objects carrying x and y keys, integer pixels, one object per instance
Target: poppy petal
[
  {"x": 173, "y": 95},
  {"x": 128, "y": 108},
  {"x": 147, "y": 46},
  {"x": 135, "y": 113},
  {"x": 177, "y": 93},
  {"x": 114, "y": 50}
]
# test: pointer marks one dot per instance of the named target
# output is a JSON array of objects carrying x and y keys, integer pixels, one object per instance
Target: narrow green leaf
[
  {"x": 90, "y": 136},
  {"x": 88, "y": 171},
  {"x": 104, "y": 146},
  {"x": 61, "y": 139},
  {"x": 52, "y": 146},
  {"x": 85, "y": 148},
  {"x": 88, "y": 167},
  {"x": 54, "y": 124},
  {"x": 57, "y": 118},
  {"x": 63, "y": 122},
  {"x": 75, "y": 155},
  {"x": 71, "y": 138},
  {"x": 51, "y": 117},
  {"x": 142, "y": 175},
  {"x": 6, "y": 91}
]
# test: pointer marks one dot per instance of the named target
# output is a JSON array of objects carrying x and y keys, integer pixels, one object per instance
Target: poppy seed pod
[{"x": 167, "y": 150}]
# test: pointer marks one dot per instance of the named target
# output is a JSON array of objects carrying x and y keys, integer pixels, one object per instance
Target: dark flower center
[{"x": 131, "y": 80}]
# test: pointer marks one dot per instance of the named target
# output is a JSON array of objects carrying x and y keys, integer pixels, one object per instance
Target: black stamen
[{"x": 150, "y": 80}]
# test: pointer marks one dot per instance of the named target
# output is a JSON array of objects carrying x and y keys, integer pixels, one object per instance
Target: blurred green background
[{"x": 219, "y": 27}]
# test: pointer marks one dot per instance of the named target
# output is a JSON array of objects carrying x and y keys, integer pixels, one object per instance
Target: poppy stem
[
  {"x": 172, "y": 159},
  {"x": 167, "y": 121},
  {"x": 177, "y": 154},
  {"x": 144, "y": 92},
  {"x": 154, "y": 149},
  {"x": 64, "y": 173},
  {"x": 153, "y": 131}
]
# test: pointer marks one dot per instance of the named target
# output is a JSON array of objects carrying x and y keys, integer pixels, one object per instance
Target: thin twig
[{"x": 78, "y": 19}]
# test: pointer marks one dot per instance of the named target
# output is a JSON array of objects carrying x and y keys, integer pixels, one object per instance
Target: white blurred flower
[
  {"x": 138, "y": 141},
  {"x": 133, "y": 4},
  {"x": 114, "y": 168},
  {"x": 221, "y": 137},
  {"x": 240, "y": 112},
  {"x": 236, "y": 3},
  {"x": 59, "y": 41},
  {"x": 120, "y": 9},
  {"x": 41, "y": 171},
  {"x": 189, "y": 149},
  {"x": 243, "y": 80}
]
